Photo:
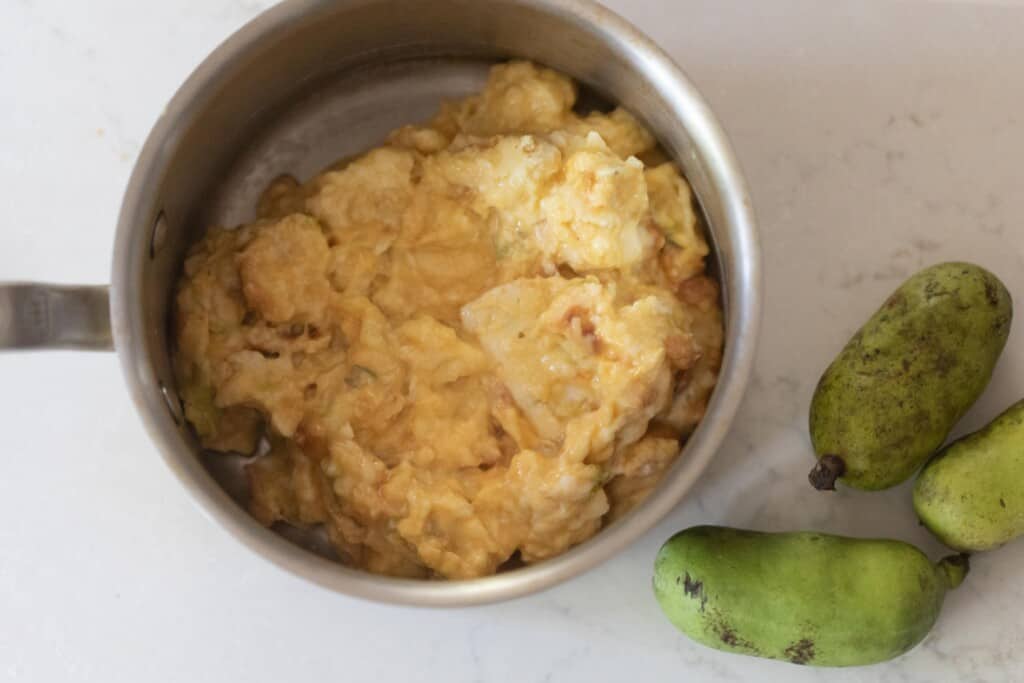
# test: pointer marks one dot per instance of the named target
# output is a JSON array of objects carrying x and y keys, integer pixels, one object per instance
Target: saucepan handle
[{"x": 42, "y": 316}]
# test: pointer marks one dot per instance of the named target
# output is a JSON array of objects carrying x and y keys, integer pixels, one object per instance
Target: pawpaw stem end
[
  {"x": 824, "y": 474},
  {"x": 955, "y": 568}
]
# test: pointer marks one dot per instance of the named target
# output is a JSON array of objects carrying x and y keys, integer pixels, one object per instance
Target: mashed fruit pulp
[{"x": 487, "y": 337}]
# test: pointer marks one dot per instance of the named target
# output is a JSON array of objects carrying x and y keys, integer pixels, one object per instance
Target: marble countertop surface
[{"x": 877, "y": 137}]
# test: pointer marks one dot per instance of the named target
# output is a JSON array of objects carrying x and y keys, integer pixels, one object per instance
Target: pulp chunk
[
  {"x": 372, "y": 190},
  {"x": 563, "y": 501},
  {"x": 619, "y": 129},
  {"x": 673, "y": 214},
  {"x": 520, "y": 97},
  {"x": 592, "y": 218},
  {"x": 636, "y": 471},
  {"x": 444, "y": 525},
  {"x": 284, "y": 270},
  {"x": 565, "y": 349},
  {"x": 442, "y": 259}
]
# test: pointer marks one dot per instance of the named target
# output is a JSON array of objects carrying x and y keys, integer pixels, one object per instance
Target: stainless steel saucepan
[{"x": 311, "y": 81}]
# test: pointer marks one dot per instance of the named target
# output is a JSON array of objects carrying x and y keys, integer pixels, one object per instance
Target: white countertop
[{"x": 877, "y": 137}]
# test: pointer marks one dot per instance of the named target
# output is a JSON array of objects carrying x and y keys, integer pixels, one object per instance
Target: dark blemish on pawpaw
[
  {"x": 694, "y": 589},
  {"x": 728, "y": 635},
  {"x": 934, "y": 290},
  {"x": 800, "y": 652},
  {"x": 895, "y": 300},
  {"x": 870, "y": 354},
  {"x": 991, "y": 293},
  {"x": 945, "y": 363},
  {"x": 906, "y": 365},
  {"x": 1002, "y": 503}
]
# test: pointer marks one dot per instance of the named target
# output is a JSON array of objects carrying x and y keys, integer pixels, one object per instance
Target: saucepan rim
[{"x": 741, "y": 270}]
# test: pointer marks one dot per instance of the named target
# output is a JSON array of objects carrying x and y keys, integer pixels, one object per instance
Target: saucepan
[{"x": 311, "y": 81}]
